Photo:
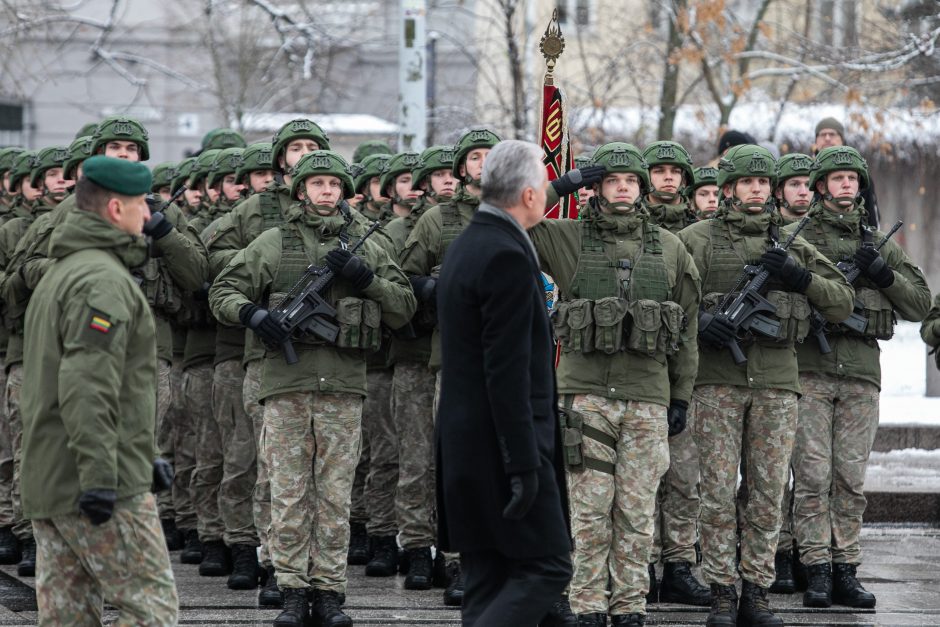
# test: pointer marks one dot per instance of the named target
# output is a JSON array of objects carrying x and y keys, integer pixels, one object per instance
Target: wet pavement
[{"x": 902, "y": 567}]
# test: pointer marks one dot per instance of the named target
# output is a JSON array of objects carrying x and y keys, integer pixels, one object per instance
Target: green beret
[{"x": 128, "y": 178}]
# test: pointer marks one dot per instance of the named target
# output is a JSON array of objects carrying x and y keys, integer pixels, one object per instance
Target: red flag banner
[{"x": 558, "y": 158}]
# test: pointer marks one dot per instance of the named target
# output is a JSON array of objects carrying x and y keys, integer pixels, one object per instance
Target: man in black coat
[{"x": 500, "y": 479}]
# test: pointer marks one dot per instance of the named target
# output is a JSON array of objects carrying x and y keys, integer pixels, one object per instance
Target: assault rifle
[
  {"x": 305, "y": 310},
  {"x": 745, "y": 308},
  {"x": 857, "y": 321}
]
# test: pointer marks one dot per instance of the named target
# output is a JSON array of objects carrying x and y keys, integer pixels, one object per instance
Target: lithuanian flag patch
[{"x": 100, "y": 323}]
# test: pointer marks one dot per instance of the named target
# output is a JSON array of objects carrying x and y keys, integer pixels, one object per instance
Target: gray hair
[{"x": 511, "y": 167}]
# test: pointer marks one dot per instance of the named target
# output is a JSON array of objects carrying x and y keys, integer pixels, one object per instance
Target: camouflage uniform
[
  {"x": 379, "y": 489},
  {"x": 207, "y": 475},
  {"x": 184, "y": 457},
  {"x": 261, "y": 495}
]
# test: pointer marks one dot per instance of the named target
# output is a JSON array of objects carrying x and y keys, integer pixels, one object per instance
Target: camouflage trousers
[
  {"x": 677, "y": 502},
  {"x": 22, "y": 528},
  {"x": 309, "y": 533},
  {"x": 379, "y": 491},
  {"x": 164, "y": 438},
  {"x": 124, "y": 562},
  {"x": 6, "y": 457},
  {"x": 206, "y": 477},
  {"x": 261, "y": 495},
  {"x": 762, "y": 422},
  {"x": 358, "y": 512},
  {"x": 413, "y": 411},
  {"x": 785, "y": 537},
  {"x": 837, "y": 426},
  {"x": 239, "y": 466},
  {"x": 184, "y": 452},
  {"x": 612, "y": 514}
]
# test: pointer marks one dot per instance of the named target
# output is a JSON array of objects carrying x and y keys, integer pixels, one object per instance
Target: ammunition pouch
[
  {"x": 162, "y": 294},
  {"x": 877, "y": 310},
  {"x": 656, "y": 328},
  {"x": 573, "y": 432},
  {"x": 610, "y": 325},
  {"x": 793, "y": 313},
  {"x": 360, "y": 324},
  {"x": 574, "y": 325},
  {"x": 609, "y": 314}
]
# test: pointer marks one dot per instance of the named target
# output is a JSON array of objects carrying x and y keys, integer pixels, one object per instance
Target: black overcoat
[{"x": 498, "y": 401}]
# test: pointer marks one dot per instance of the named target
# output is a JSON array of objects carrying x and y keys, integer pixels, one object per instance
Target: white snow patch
[
  {"x": 904, "y": 380},
  {"x": 907, "y": 470}
]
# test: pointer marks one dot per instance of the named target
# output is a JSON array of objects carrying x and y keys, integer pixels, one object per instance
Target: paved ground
[{"x": 902, "y": 568}]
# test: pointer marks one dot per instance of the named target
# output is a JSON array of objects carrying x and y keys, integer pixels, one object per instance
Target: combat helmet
[
  {"x": 255, "y": 157},
  {"x": 87, "y": 130},
  {"x": 47, "y": 159},
  {"x": 181, "y": 173},
  {"x": 226, "y": 162},
  {"x": 321, "y": 162},
  {"x": 221, "y": 138},
  {"x": 705, "y": 176},
  {"x": 21, "y": 167},
  {"x": 364, "y": 172},
  {"x": 836, "y": 158},
  {"x": 6, "y": 157},
  {"x": 79, "y": 150},
  {"x": 582, "y": 161},
  {"x": 746, "y": 160},
  {"x": 163, "y": 176},
  {"x": 297, "y": 129},
  {"x": 623, "y": 157},
  {"x": 121, "y": 128},
  {"x": 471, "y": 140},
  {"x": 670, "y": 153},
  {"x": 399, "y": 164},
  {"x": 433, "y": 158},
  {"x": 370, "y": 147},
  {"x": 201, "y": 167},
  {"x": 793, "y": 164}
]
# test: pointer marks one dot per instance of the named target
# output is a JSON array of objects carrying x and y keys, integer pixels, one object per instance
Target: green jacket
[
  {"x": 769, "y": 365},
  {"x": 88, "y": 411},
  {"x": 417, "y": 350},
  {"x": 201, "y": 327},
  {"x": 252, "y": 274},
  {"x": 624, "y": 375},
  {"x": 673, "y": 218},
  {"x": 930, "y": 329},
  {"x": 838, "y": 236}
]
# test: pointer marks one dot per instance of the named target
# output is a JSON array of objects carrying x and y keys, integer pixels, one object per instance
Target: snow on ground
[
  {"x": 907, "y": 470},
  {"x": 903, "y": 380}
]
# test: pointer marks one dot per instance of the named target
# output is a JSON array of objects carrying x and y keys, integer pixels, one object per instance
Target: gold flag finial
[{"x": 552, "y": 45}]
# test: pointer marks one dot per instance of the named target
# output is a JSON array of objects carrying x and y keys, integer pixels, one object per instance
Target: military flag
[{"x": 554, "y": 124}]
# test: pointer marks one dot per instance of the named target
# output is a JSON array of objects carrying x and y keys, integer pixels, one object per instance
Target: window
[
  {"x": 576, "y": 12},
  {"x": 839, "y": 23},
  {"x": 11, "y": 125}
]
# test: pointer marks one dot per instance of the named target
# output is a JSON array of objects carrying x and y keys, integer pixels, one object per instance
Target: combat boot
[
  {"x": 679, "y": 585},
  {"x": 724, "y": 611},
  {"x": 192, "y": 550},
  {"x": 270, "y": 595},
  {"x": 754, "y": 610},
  {"x": 296, "y": 611},
  {"x": 215, "y": 560},
  {"x": 627, "y": 620},
  {"x": 174, "y": 539},
  {"x": 652, "y": 595},
  {"x": 245, "y": 568},
  {"x": 595, "y": 619},
  {"x": 384, "y": 562},
  {"x": 27, "y": 565},
  {"x": 800, "y": 576},
  {"x": 783, "y": 564},
  {"x": 358, "y": 553},
  {"x": 9, "y": 547},
  {"x": 326, "y": 610},
  {"x": 453, "y": 595},
  {"x": 819, "y": 587},
  {"x": 440, "y": 571},
  {"x": 846, "y": 589},
  {"x": 560, "y": 615},
  {"x": 419, "y": 569}
]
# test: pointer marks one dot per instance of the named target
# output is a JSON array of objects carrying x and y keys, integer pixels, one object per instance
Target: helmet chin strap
[
  {"x": 617, "y": 207},
  {"x": 667, "y": 197}
]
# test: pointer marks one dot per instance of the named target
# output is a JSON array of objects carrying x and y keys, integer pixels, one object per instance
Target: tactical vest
[
  {"x": 359, "y": 320},
  {"x": 869, "y": 301},
  {"x": 270, "y": 208},
  {"x": 722, "y": 272},
  {"x": 451, "y": 226},
  {"x": 622, "y": 305}
]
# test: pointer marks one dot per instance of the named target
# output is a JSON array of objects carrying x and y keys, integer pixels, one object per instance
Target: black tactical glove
[
  {"x": 350, "y": 268},
  {"x": 97, "y": 505},
  {"x": 785, "y": 268},
  {"x": 715, "y": 332},
  {"x": 524, "y": 487},
  {"x": 425, "y": 288},
  {"x": 572, "y": 181},
  {"x": 259, "y": 321},
  {"x": 676, "y": 416},
  {"x": 874, "y": 266},
  {"x": 157, "y": 226},
  {"x": 162, "y": 475}
]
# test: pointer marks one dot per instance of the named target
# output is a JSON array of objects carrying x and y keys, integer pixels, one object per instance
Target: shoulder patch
[{"x": 100, "y": 322}]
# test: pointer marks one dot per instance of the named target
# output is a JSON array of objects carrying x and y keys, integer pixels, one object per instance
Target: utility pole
[{"x": 412, "y": 77}]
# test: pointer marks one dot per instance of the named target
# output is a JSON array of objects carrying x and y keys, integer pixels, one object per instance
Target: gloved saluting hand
[
  {"x": 350, "y": 267},
  {"x": 572, "y": 181},
  {"x": 157, "y": 226}
]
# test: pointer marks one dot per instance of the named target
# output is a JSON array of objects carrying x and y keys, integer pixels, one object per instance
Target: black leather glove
[
  {"x": 425, "y": 288},
  {"x": 157, "y": 226},
  {"x": 259, "y": 320},
  {"x": 785, "y": 268},
  {"x": 350, "y": 267},
  {"x": 162, "y": 475},
  {"x": 874, "y": 266},
  {"x": 573, "y": 180},
  {"x": 715, "y": 332},
  {"x": 97, "y": 505},
  {"x": 524, "y": 487},
  {"x": 676, "y": 416}
]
